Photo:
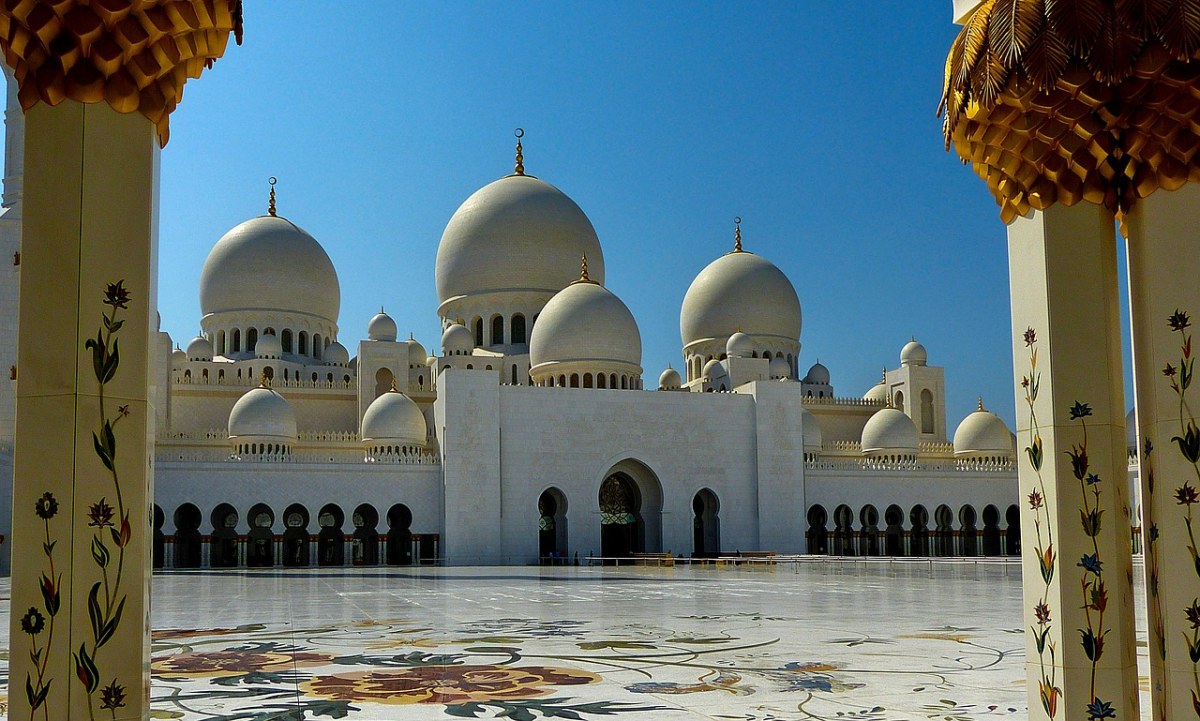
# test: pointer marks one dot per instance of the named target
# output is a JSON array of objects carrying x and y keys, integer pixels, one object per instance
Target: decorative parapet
[
  {"x": 862, "y": 402},
  {"x": 134, "y": 55},
  {"x": 338, "y": 456},
  {"x": 845, "y": 463},
  {"x": 180, "y": 378}
]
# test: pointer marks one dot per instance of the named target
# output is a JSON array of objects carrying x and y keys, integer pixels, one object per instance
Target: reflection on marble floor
[{"x": 870, "y": 641}]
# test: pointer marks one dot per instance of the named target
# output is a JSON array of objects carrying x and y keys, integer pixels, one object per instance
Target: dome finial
[
  {"x": 981, "y": 403},
  {"x": 394, "y": 388},
  {"x": 520, "y": 166},
  {"x": 264, "y": 380},
  {"x": 583, "y": 274},
  {"x": 737, "y": 234},
  {"x": 271, "y": 202}
]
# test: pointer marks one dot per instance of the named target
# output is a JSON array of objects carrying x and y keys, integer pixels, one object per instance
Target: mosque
[{"x": 528, "y": 433}]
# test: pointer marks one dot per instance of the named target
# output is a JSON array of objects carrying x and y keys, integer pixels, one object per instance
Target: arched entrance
[
  {"x": 968, "y": 532},
  {"x": 869, "y": 537},
  {"x": 330, "y": 541},
  {"x": 399, "y": 536},
  {"x": 552, "y": 526},
  {"x": 160, "y": 539},
  {"x": 706, "y": 525},
  {"x": 843, "y": 531},
  {"x": 630, "y": 511},
  {"x": 224, "y": 544},
  {"x": 991, "y": 531},
  {"x": 260, "y": 548},
  {"x": 187, "y": 536},
  {"x": 365, "y": 546},
  {"x": 818, "y": 536},
  {"x": 893, "y": 535},
  {"x": 1012, "y": 534},
  {"x": 919, "y": 535},
  {"x": 943, "y": 538},
  {"x": 295, "y": 535}
]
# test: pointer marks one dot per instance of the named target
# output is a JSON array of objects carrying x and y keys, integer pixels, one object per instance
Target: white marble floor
[{"x": 821, "y": 641}]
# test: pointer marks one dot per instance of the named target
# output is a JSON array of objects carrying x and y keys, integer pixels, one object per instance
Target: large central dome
[
  {"x": 740, "y": 292},
  {"x": 518, "y": 233},
  {"x": 269, "y": 263}
]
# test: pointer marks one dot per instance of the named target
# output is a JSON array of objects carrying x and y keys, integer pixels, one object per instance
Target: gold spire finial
[
  {"x": 271, "y": 202},
  {"x": 583, "y": 276},
  {"x": 980, "y": 402},
  {"x": 884, "y": 381},
  {"x": 737, "y": 234},
  {"x": 264, "y": 381},
  {"x": 394, "y": 388},
  {"x": 520, "y": 167}
]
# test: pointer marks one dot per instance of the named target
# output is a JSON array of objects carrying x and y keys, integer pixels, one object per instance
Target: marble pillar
[
  {"x": 82, "y": 521},
  {"x": 1164, "y": 285},
  {"x": 1077, "y": 569}
]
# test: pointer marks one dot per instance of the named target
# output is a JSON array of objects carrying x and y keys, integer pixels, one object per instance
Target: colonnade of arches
[
  {"x": 288, "y": 375},
  {"x": 496, "y": 328},
  {"x": 225, "y": 541},
  {"x": 915, "y": 533},
  {"x": 695, "y": 363},
  {"x": 300, "y": 343},
  {"x": 611, "y": 381}
]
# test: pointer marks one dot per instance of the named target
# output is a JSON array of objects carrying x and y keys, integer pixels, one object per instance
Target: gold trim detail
[
  {"x": 1058, "y": 102},
  {"x": 519, "y": 167},
  {"x": 134, "y": 55}
]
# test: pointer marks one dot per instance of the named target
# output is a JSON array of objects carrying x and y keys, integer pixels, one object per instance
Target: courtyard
[{"x": 820, "y": 639}]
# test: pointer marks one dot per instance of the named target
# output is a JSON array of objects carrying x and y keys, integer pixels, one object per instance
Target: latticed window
[{"x": 615, "y": 503}]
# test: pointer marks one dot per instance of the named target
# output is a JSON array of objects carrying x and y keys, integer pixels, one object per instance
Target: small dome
[
  {"x": 982, "y": 433},
  {"x": 393, "y": 419},
  {"x": 199, "y": 349},
  {"x": 669, "y": 380},
  {"x": 262, "y": 413},
  {"x": 740, "y": 291},
  {"x": 913, "y": 354},
  {"x": 178, "y": 357},
  {"x": 381, "y": 327},
  {"x": 739, "y": 345},
  {"x": 268, "y": 347},
  {"x": 457, "y": 340},
  {"x": 1131, "y": 441},
  {"x": 269, "y": 263},
  {"x": 585, "y": 322},
  {"x": 416, "y": 353},
  {"x": 337, "y": 355},
  {"x": 780, "y": 369},
  {"x": 889, "y": 431},
  {"x": 515, "y": 233},
  {"x": 713, "y": 369},
  {"x": 810, "y": 429},
  {"x": 878, "y": 393},
  {"x": 817, "y": 375}
]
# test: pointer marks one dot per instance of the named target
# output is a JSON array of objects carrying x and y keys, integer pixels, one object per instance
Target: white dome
[
  {"x": 810, "y": 429},
  {"x": 517, "y": 233},
  {"x": 742, "y": 291},
  {"x": 780, "y": 369},
  {"x": 1131, "y": 442},
  {"x": 585, "y": 322},
  {"x": 262, "y": 413},
  {"x": 817, "y": 375},
  {"x": 713, "y": 369},
  {"x": 889, "y": 431},
  {"x": 178, "y": 357},
  {"x": 982, "y": 433},
  {"x": 457, "y": 339},
  {"x": 199, "y": 349},
  {"x": 416, "y": 353},
  {"x": 669, "y": 380},
  {"x": 913, "y": 354},
  {"x": 739, "y": 345},
  {"x": 268, "y": 346},
  {"x": 381, "y": 327},
  {"x": 269, "y": 263},
  {"x": 337, "y": 355},
  {"x": 393, "y": 419},
  {"x": 878, "y": 393}
]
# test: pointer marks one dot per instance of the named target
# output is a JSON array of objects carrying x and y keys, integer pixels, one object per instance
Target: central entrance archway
[
  {"x": 630, "y": 511},
  {"x": 706, "y": 525}
]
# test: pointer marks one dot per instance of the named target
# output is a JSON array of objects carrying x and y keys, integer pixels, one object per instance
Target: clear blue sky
[{"x": 814, "y": 121}]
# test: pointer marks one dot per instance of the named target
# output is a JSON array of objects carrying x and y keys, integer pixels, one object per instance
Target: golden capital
[
  {"x": 134, "y": 55},
  {"x": 1069, "y": 101}
]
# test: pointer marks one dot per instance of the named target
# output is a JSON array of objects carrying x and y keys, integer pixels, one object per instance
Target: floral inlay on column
[{"x": 33, "y": 622}]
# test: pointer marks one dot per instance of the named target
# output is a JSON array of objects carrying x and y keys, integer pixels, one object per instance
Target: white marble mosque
[{"x": 528, "y": 431}]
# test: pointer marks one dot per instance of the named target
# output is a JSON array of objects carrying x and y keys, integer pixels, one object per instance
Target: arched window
[
  {"x": 498, "y": 330},
  {"x": 237, "y": 340},
  {"x": 601, "y": 380},
  {"x": 562, "y": 381},
  {"x": 624, "y": 383},
  {"x": 927, "y": 419},
  {"x": 612, "y": 380},
  {"x": 221, "y": 343},
  {"x": 314, "y": 378},
  {"x": 899, "y": 400},
  {"x": 303, "y": 338},
  {"x": 383, "y": 381},
  {"x": 251, "y": 339},
  {"x": 285, "y": 340},
  {"x": 220, "y": 376},
  {"x": 316, "y": 346},
  {"x": 574, "y": 380},
  {"x": 478, "y": 332},
  {"x": 269, "y": 372},
  {"x": 587, "y": 380},
  {"x": 514, "y": 374},
  {"x": 518, "y": 329}
]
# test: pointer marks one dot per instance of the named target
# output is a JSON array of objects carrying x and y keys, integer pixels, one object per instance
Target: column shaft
[
  {"x": 1077, "y": 567},
  {"x": 1164, "y": 270},
  {"x": 82, "y": 480}
]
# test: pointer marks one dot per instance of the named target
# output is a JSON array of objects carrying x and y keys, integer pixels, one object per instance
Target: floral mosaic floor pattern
[{"x": 868, "y": 641}]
